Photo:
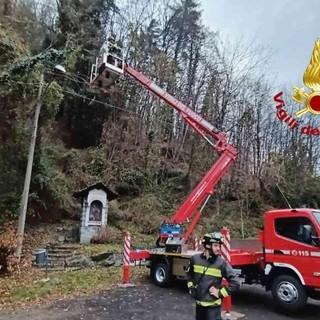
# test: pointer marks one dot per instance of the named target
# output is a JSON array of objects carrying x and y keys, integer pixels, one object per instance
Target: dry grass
[
  {"x": 19, "y": 292},
  {"x": 29, "y": 285}
]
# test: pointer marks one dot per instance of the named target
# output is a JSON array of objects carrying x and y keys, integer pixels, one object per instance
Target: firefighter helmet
[{"x": 214, "y": 237}]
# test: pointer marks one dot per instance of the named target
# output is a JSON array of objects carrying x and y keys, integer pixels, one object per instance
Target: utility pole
[{"x": 25, "y": 194}]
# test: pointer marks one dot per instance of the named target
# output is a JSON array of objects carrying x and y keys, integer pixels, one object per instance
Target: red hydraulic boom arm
[
  {"x": 218, "y": 141},
  {"x": 201, "y": 194}
]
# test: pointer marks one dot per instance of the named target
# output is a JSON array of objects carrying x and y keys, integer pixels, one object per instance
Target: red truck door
[{"x": 294, "y": 243}]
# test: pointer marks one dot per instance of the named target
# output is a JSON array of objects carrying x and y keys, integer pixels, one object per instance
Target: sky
[{"x": 288, "y": 28}]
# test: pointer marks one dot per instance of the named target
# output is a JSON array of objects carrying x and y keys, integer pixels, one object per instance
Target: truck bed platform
[{"x": 238, "y": 257}]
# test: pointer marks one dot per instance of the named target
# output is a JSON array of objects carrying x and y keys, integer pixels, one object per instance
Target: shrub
[
  {"x": 8, "y": 245},
  {"x": 107, "y": 235}
]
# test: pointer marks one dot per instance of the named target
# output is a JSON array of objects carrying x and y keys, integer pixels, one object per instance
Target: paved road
[
  {"x": 255, "y": 303},
  {"x": 152, "y": 303}
]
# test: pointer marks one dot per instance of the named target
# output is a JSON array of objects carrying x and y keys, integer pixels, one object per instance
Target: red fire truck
[{"x": 285, "y": 258}]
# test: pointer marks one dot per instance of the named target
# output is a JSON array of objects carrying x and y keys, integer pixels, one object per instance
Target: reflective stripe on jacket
[{"x": 204, "y": 274}]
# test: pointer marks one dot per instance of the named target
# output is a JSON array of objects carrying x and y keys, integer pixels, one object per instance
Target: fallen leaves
[
  {"x": 30, "y": 286},
  {"x": 22, "y": 291}
]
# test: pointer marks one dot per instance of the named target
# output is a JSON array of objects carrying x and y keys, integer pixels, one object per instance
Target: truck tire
[
  {"x": 288, "y": 293},
  {"x": 161, "y": 274}
]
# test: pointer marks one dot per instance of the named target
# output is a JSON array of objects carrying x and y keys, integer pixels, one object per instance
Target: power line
[
  {"x": 95, "y": 101},
  {"x": 82, "y": 96},
  {"x": 111, "y": 106},
  {"x": 101, "y": 102}
]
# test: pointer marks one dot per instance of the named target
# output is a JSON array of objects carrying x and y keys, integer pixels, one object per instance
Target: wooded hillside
[{"x": 130, "y": 140}]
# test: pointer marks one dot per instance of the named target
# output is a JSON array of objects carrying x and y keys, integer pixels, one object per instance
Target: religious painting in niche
[{"x": 95, "y": 214}]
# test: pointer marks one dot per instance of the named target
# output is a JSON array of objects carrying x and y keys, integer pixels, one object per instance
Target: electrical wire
[
  {"x": 36, "y": 84},
  {"x": 82, "y": 96},
  {"x": 72, "y": 76},
  {"x": 99, "y": 102}
]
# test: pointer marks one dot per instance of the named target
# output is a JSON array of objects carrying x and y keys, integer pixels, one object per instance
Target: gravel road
[{"x": 148, "y": 302}]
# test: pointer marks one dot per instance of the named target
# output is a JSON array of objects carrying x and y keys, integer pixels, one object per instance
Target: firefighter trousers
[{"x": 208, "y": 313}]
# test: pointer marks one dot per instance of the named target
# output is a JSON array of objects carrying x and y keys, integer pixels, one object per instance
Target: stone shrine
[{"x": 94, "y": 213}]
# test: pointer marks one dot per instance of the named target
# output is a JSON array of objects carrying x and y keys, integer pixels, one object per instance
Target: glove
[{"x": 193, "y": 291}]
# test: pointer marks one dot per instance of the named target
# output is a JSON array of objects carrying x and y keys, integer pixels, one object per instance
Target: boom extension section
[{"x": 109, "y": 66}]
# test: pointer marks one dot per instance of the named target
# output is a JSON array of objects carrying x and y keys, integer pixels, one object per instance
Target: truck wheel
[
  {"x": 288, "y": 293},
  {"x": 161, "y": 274}
]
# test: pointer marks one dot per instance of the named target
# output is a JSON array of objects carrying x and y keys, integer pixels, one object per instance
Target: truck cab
[{"x": 290, "y": 239}]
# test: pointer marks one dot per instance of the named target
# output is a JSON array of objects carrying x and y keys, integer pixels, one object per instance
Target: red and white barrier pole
[
  {"x": 196, "y": 243},
  {"x": 126, "y": 258},
  {"x": 226, "y": 254}
]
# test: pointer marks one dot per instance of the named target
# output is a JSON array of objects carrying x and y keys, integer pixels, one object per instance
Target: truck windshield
[{"x": 317, "y": 216}]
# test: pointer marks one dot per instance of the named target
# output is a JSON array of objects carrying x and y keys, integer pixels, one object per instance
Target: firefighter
[
  {"x": 114, "y": 50},
  {"x": 205, "y": 273}
]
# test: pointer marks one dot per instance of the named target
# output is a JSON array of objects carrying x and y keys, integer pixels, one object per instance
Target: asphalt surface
[
  {"x": 255, "y": 303},
  {"x": 149, "y": 302}
]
